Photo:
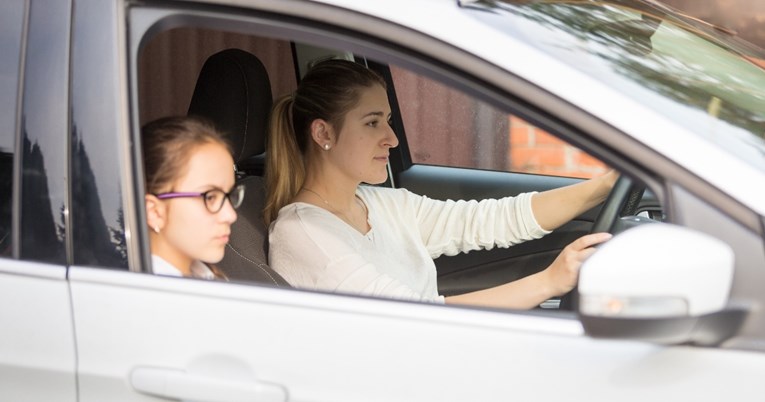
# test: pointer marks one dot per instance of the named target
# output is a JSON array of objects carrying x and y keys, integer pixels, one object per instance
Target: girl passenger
[{"x": 190, "y": 196}]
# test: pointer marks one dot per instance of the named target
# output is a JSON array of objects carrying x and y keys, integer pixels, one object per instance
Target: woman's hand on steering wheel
[
  {"x": 623, "y": 199},
  {"x": 563, "y": 273}
]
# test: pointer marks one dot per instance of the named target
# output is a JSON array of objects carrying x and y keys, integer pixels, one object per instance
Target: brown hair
[
  {"x": 167, "y": 145},
  {"x": 328, "y": 91}
]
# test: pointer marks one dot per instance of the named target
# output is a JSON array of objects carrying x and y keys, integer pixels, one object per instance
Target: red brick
[
  {"x": 544, "y": 138},
  {"x": 519, "y": 135}
]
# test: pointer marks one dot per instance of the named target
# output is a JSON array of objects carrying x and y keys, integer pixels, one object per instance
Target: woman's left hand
[
  {"x": 553, "y": 208},
  {"x": 607, "y": 180}
]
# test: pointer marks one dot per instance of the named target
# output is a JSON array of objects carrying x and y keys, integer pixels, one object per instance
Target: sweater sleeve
[{"x": 451, "y": 227}]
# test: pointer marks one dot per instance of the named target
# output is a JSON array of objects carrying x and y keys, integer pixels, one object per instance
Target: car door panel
[
  {"x": 37, "y": 354},
  {"x": 321, "y": 347}
]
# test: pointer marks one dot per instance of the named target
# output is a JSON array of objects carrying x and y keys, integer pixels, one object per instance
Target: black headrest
[{"x": 233, "y": 91}]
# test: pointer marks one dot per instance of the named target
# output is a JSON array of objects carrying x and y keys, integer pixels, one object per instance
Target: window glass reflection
[
  {"x": 11, "y": 25},
  {"x": 696, "y": 76}
]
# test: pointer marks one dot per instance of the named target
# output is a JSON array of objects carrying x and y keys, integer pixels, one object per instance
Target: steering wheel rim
[{"x": 623, "y": 200}]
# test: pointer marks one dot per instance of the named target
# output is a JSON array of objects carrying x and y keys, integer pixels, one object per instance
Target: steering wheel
[{"x": 623, "y": 200}]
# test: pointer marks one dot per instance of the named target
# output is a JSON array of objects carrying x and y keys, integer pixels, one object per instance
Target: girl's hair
[
  {"x": 167, "y": 145},
  {"x": 328, "y": 91}
]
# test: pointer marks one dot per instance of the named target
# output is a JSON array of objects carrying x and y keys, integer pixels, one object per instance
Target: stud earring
[{"x": 326, "y": 147}]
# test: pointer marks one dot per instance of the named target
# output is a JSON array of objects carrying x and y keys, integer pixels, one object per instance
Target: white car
[{"x": 491, "y": 98}]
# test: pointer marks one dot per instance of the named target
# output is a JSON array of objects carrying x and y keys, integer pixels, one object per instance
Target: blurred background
[{"x": 746, "y": 17}]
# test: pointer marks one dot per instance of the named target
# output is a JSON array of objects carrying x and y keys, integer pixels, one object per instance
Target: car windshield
[{"x": 698, "y": 75}]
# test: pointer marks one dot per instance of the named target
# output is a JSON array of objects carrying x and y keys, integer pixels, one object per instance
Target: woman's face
[
  {"x": 191, "y": 232},
  {"x": 364, "y": 142}
]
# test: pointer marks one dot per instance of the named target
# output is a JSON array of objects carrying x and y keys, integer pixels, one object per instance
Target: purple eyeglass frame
[{"x": 227, "y": 196}]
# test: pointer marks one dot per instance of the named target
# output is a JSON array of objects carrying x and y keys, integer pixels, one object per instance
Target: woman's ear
[
  {"x": 321, "y": 133},
  {"x": 156, "y": 213}
]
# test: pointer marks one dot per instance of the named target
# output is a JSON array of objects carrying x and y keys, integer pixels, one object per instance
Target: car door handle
[{"x": 180, "y": 385}]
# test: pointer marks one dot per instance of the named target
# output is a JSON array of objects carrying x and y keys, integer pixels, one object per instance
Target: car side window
[
  {"x": 445, "y": 125},
  {"x": 496, "y": 140},
  {"x": 228, "y": 79},
  {"x": 11, "y": 25}
]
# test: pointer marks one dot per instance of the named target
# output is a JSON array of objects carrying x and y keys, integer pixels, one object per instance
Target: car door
[
  {"x": 37, "y": 338},
  {"x": 142, "y": 337}
]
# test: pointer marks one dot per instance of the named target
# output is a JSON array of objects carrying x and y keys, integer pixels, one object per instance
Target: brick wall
[{"x": 533, "y": 150}]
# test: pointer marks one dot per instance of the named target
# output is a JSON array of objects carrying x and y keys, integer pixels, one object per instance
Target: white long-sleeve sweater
[{"x": 314, "y": 249}]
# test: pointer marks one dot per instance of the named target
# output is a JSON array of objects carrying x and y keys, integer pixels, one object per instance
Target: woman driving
[{"x": 329, "y": 231}]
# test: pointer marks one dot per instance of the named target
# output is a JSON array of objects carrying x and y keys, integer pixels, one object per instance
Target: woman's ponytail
[
  {"x": 328, "y": 91},
  {"x": 285, "y": 171}
]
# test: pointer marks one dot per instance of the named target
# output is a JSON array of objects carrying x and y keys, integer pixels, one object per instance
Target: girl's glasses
[{"x": 213, "y": 199}]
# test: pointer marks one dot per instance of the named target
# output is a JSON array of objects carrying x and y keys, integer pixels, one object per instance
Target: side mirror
[{"x": 659, "y": 283}]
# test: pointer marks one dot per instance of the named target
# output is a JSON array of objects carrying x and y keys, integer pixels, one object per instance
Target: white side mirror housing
[
  {"x": 657, "y": 270},
  {"x": 659, "y": 282}
]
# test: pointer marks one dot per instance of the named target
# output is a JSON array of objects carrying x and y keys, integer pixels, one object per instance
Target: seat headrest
[{"x": 234, "y": 93}]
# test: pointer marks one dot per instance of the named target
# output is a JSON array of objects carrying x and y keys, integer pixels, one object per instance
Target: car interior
[{"x": 232, "y": 78}]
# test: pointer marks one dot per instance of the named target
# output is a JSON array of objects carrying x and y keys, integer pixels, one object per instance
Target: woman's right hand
[
  {"x": 528, "y": 292},
  {"x": 562, "y": 275}
]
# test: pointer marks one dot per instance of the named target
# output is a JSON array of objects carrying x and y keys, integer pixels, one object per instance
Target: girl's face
[
  {"x": 191, "y": 232},
  {"x": 364, "y": 143}
]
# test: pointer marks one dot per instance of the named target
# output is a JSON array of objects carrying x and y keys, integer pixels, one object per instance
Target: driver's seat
[{"x": 234, "y": 93}]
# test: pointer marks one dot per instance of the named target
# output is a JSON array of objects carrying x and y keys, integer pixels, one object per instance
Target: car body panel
[
  {"x": 37, "y": 343},
  {"x": 342, "y": 348}
]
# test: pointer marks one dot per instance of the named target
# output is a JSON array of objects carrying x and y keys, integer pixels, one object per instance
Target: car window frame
[
  {"x": 147, "y": 21},
  {"x": 531, "y": 107}
]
